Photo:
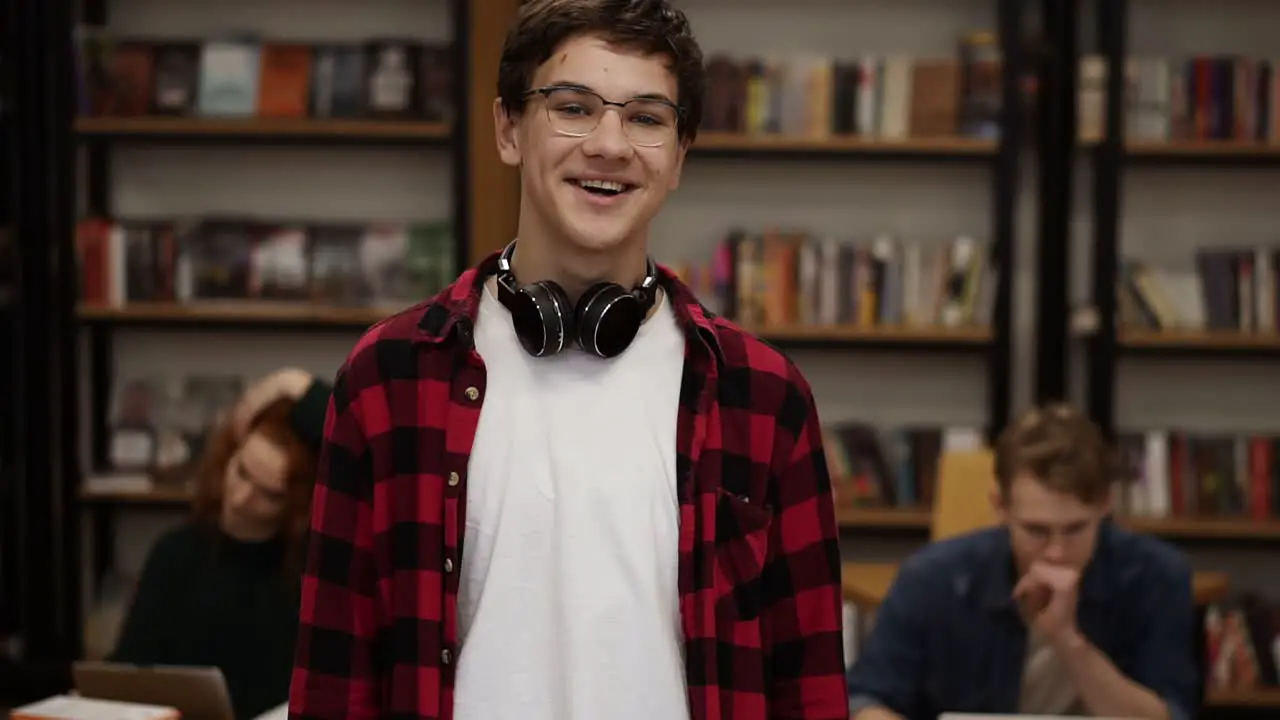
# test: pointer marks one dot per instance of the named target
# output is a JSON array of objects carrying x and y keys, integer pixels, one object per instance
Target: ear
[
  {"x": 507, "y": 133},
  {"x": 1108, "y": 502},
  {"x": 681, "y": 152},
  {"x": 997, "y": 504}
]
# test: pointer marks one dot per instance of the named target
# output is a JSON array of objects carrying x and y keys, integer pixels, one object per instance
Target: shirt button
[
  {"x": 453, "y": 479},
  {"x": 448, "y": 565},
  {"x": 445, "y": 656},
  {"x": 472, "y": 393}
]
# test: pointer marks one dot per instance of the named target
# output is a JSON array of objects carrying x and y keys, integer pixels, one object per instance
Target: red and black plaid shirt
[{"x": 759, "y": 562}]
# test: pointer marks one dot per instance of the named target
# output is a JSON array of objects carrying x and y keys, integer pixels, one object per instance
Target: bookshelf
[
  {"x": 830, "y": 183},
  {"x": 1167, "y": 192},
  {"x": 132, "y": 163}
]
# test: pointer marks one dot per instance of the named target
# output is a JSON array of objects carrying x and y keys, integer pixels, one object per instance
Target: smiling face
[{"x": 570, "y": 184}]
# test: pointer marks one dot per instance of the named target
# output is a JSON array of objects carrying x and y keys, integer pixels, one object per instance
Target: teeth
[{"x": 603, "y": 185}]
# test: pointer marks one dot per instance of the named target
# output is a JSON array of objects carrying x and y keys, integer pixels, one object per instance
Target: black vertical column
[
  {"x": 460, "y": 142},
  {"x": 43, "y": 204},
  {"x": 8, "y": 413},
  {"x": 1107, "y": 167},
  {"x": 1009, "y": 19},
  {"x": 1056, "y": 149}
]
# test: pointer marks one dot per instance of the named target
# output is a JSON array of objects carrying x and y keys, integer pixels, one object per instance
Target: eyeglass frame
[{"x": 546, "y": 90}]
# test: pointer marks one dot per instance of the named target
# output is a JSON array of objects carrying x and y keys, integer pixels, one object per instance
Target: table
[{"x": 866, "y": 584}]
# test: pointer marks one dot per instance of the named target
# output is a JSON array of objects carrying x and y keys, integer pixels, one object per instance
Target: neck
[
  {"x": 538, "y": 257},
  {"x": 250, "y": 533}
]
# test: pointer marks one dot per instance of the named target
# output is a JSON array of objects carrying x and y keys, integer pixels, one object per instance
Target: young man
[
  {"x": 560, "y": 489},
  {"x": 1055, "y": 612}
]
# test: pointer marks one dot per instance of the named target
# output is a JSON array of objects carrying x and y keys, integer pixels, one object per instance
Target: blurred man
[{"x": 1055, "y": 612}]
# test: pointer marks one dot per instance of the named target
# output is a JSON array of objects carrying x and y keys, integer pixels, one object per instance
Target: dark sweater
[{"x": 205, "y": 599}]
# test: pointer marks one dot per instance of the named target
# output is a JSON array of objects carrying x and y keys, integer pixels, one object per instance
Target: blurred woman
[{"x": 222, "y": 589}]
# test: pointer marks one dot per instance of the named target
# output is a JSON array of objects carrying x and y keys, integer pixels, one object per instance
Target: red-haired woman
[{"x": 223, "y": 589}]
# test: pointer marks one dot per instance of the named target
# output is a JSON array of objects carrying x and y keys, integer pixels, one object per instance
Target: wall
[{"x": 1166, "y": 214}]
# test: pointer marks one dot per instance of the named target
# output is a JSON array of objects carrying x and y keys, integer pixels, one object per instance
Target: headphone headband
[
  {"x": 603, "y": 322},
  {"x": 644, "y": 290}
]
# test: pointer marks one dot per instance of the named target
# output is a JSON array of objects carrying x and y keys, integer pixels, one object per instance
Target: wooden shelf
[
  {"x": 1268, "y": 697},
  {"x": 973, "y": 335},
  {"x": 1201, "y": 342},
  {"x": 722, "y": 143},
  {"x": 165, "y": 496},
  {"x": 852, "y": 336},
  {"x": 233, "y": 314},
  {"x": 1208, "y": 338},
  {"x": 1207, "y": 528},
  {"x": 265, "y": 128},
  {"x": 250, "y": 313},
  {"x": 1211, "y": 148},
  {"x": 870, "y": 518}
]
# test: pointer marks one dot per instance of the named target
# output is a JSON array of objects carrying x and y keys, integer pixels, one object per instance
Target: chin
[{"x": 598, "y": 235}]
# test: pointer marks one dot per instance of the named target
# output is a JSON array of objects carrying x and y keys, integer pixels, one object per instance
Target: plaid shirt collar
[{"x": 457, "y": 306}]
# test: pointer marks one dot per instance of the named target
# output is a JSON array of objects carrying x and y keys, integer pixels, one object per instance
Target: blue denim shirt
[{"x": 949, "y": 638}]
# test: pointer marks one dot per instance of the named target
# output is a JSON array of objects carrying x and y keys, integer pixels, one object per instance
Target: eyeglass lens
[{"x": 578, "y": 112}]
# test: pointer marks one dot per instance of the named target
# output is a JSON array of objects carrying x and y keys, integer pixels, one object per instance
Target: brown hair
[
  {"x": 652, "y": 27},
  {"x": 273, "y": 423},
  {"x": 1059, "y": 447}
]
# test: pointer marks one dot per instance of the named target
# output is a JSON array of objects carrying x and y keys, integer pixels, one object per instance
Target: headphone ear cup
[
  {"x": 543, "y": 318},
  {"x": 608, "y": 319}
]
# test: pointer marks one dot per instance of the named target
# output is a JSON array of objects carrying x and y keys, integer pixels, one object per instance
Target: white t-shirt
[
  {"x": 1047, "y": 688},
  {"x": 568, "y": 603}
]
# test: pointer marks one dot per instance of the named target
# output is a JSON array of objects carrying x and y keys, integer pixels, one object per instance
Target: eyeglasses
[{"x": 576, "y": 112}]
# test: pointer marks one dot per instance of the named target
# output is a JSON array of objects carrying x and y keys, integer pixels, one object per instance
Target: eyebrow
[
  {"x": 587, "y": 88},
  {"x": 1072, "y": 525}
]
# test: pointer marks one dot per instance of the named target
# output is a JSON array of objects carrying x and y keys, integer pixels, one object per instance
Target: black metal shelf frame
[
  {"x": 98, "y": 181},
  {"x": 44, "y": 468},
  {"x": 1055, "y": 148},
  {"x": 1006, "y": 178},
  {"x": 1102, "y": 349}
]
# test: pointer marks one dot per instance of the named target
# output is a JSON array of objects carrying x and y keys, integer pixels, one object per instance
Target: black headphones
[{"x": 604, "y": 322}]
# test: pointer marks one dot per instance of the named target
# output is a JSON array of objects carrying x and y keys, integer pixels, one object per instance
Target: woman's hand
[{"x": 289, "y": 383}]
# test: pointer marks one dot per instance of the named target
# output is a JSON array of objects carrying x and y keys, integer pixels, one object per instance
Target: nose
[
  {"x": 609, "y": 139},
  {"x": 240, "y": 497},
  {"x": 1054, "y": 551}
]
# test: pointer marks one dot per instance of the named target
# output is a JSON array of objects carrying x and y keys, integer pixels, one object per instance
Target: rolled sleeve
[{"x": 1164, "y": 658}]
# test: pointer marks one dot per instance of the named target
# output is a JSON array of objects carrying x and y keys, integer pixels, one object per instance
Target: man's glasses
[{"x": 573, "y": 111}]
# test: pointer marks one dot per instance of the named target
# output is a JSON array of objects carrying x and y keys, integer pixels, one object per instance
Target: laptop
[
  {"x": 199, "y": 693},
  {"x": 990, "y": 716}
]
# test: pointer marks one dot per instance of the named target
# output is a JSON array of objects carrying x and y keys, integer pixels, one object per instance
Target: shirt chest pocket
[{"x": 741, "y": 550}]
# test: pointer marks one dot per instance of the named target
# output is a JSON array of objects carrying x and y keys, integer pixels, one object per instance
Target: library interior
[{"x": 944, "y": 212}]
